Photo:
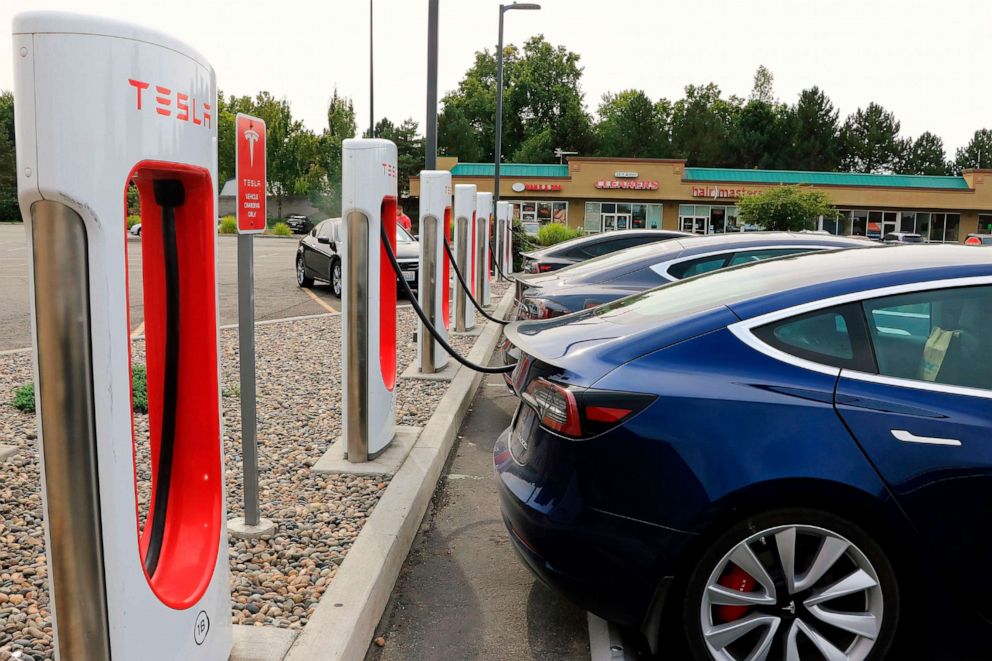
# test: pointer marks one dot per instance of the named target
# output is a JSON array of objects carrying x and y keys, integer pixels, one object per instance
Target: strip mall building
[{"x": 604, "y": 194}]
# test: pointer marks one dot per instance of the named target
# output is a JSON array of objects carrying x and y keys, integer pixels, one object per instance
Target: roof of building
[
  {"x": 823, "y": 178},
  {"x": 509, "y": 170}
]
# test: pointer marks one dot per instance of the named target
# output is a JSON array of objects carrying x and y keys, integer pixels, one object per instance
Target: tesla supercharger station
[
  {"x": 483, "y": 260},
  {"x": 435, "y": 269},
  {"x": 464, "y": 250},
  {"x": 100, "y": 104},
  {"x": 504, "y": 237},
  {"x": 368, "y": 302}
]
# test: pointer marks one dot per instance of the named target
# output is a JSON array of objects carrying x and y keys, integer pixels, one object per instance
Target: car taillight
[
  {"x": 973, "y": 241},
  {"x": 581, "y": 413},
  {"x": 543, "y": 268},
  {"x": 537, "y": 308}
]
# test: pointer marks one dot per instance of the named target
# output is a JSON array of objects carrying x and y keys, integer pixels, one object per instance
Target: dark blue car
[{"x": 786, "y": 460}]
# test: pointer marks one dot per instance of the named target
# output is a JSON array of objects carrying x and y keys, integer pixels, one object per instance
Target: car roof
[
  {"x": 564, "y": 246},
  {"x": 612, "y": 265}
]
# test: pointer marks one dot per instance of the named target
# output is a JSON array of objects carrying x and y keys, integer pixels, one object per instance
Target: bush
[
  {"x": 521, "y": 242},
  {"x": 24, "y": 398},
  {"x": 133, "y": 220},
  {"x": 553, "y": 233},
  {"x": 282, "y": 229},
  {"x": 228, "y": 225}
]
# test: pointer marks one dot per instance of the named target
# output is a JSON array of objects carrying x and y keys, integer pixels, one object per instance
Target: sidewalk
[{"x": 462, "y": 593}]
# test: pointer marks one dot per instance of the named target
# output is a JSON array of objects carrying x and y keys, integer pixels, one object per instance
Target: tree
[
  {"x": 925, "y": 155},
  {"x": 870, "y": 140},
  {"x": 325, "y": 183},
  {"x": 8, "y": 159},
  {"x": 701, "y": 126},
  {"x": 760, "y": 135},
  {"x": 630, "y": 125},
  {"x": 541, "y": 97},
  {"x": 787, "y": 208},
  {"x": 763, "y": 90},
  {"x": 815, "y": 141},
  {"x": 977, "y": 153}
]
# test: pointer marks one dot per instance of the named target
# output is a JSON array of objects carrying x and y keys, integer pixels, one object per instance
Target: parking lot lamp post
[{"x": 499, "y": 90}]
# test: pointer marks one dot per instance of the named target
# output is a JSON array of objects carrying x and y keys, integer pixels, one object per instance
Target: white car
[{"x": 135, "y": 229}]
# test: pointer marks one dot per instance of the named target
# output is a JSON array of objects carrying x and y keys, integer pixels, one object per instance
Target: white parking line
[{"x": 605, "y": 643}]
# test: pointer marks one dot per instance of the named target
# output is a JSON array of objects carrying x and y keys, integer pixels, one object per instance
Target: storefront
[{"x": 603, "y": 195}]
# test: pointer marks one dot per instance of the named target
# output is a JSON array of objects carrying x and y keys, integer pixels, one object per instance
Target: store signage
[
  {"x": 625, "y": 175},
  {"x": 714, "y": 192},
  {"x": 628, "y": 184},
  {"x": 249, "y": 163},
  {"x": 518, "y": 187}
]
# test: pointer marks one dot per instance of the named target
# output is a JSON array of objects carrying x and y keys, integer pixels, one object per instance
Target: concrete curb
[{"x": 344, "y": 621}]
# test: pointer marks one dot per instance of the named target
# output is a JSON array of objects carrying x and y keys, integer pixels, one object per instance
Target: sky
[{"x": 921, "y": 59}]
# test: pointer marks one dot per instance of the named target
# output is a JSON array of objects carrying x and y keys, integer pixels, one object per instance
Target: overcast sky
[{"x": 923, "y": 59}]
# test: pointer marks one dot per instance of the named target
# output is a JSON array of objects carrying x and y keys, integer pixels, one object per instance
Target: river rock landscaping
[{"x": 277, "y": 580}]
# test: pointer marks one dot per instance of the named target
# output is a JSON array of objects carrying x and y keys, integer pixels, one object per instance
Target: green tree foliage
[
  {"x": 630, "y": 125},
  {"x": 760, "y": 135},
  {"x": 977, "y": 153},
  {"x": 8, "y": 160},
  {"x": 815, "y": 133},
  {"x": 870, "y": 141},
  {"x": 787, "y": 208},
  {"x": 702, "y": 125},
  {"x": 925, "y": 155},
  {"x": 409, "y": 149},
  {"x": 542, "y": 105},
  {"x": 763, "y": 89}
]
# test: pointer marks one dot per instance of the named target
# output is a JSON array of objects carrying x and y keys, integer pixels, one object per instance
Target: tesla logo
[
  {"x": 169, "y": 104},
  {"x": 389, "y": 170},
  {"x": 251, "y": 135}
]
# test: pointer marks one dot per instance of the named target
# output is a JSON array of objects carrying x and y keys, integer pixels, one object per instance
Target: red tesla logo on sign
[{"x": 250, "y": 173}]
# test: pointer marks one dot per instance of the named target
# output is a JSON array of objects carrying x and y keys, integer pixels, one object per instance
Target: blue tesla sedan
[{"x": 790, "y": 459}]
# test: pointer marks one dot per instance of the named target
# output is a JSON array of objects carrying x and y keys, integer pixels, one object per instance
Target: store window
[
  {"x": 933, "y": 227},
  {"x": 708, "y": 219},
  {"x": 533, "y": 214},
  {"x": 611, "y": 216},
  {"x": 985, "y": 223}
]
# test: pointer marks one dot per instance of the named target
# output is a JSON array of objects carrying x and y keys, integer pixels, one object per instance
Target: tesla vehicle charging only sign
[{"x": 250, "y": 173}]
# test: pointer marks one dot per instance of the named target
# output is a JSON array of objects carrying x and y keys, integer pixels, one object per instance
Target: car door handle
[{"x": 909, "y": 437}]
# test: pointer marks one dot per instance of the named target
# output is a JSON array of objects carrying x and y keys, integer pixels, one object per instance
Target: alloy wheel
[
  {"x": 336, "y": 278},
  {"x": 792, "y": 592},
  {"x": 301, "y": 274}
]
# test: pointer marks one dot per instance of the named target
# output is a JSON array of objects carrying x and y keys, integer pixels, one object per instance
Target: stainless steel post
[
  {"x": 246, "y": 355},
  {"x": 461, "y": 259},
  {"x": 481, "y": 259},
  {"x": 68, "y": 430},
  {"x": 428, "y": 292},
  {"x": 357, "y": 326}
]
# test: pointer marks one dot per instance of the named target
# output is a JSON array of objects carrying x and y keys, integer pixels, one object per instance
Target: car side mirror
[{"x": 326, "y": 240}]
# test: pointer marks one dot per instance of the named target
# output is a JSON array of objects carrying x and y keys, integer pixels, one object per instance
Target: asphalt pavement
[{"x": 276, "y": 294}]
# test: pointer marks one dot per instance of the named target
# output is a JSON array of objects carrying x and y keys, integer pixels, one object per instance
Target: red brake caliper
[{"x": 736, "y": 579}]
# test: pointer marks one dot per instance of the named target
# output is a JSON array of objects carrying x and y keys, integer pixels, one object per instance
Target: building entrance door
[
  {"x": 696, "y": 224},
  {"x": 616, "y": 221}
]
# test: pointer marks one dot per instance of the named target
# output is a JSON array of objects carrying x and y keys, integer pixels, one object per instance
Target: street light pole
[
  {"x": 430, "y": 131},
  {"x": 371, "y": 76},
  {"x": 499, "y": 92}
]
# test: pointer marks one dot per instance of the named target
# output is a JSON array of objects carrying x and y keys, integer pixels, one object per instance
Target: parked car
[
  {"x": 978, "y": 240},
  {"x": 783, "y": 460},
  {"x": 633, "y": 270},
  {"x": 578, "y": 250},
  {"x": 135, "y": 229},
  {"x": 902, "y": 237},
  {"x": 318, "y": 256},
  {"x": 299, "y": 223}
]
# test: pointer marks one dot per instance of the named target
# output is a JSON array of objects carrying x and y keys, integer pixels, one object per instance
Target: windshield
[{"x": 402, "y": 236}]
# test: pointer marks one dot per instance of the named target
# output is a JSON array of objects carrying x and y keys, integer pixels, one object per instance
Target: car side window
[
  {"x": 832, "y": 337},
  {"x": 748, "y": 256},
  {"x": 940, "y": 336},
  {"x": 692, "y": 267}
]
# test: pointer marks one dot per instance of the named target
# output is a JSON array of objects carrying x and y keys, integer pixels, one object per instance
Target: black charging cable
[
  {"x": 423, "y": 317},
  {"x": 468, "y": 292},
  {"x": 169, "y": 194}
]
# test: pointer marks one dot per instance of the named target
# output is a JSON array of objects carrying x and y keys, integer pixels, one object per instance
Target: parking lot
[{"x": 276, "y": 293}]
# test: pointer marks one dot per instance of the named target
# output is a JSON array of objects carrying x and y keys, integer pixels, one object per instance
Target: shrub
[
  {"x": 553, "y": 233},
  {"x": 133, "y": 220},
  {"x": 139, "y": 389},
  {"x": 24, "y": 398},
  {"x": 282, "y": 229},
  {"x": 228, "y": 225}
]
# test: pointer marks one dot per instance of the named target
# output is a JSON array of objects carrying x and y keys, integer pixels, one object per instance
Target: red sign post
[{"x": 249, "y": 172}]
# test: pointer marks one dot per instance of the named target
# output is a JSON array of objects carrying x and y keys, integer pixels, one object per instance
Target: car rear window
[{"x": 620, "y": 257}]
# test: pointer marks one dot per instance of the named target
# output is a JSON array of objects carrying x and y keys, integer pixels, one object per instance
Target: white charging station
[
  {"x": 464, "y": 250},
  {"x": 100, "y": 104},
  {"x": 368, "y": 300},
  {"x": 435, "y": 268},
  {"x": 504, "y": 237},
  {"x": 483, "y": 260}
]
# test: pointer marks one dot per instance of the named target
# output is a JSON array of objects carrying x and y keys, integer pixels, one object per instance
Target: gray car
[
  {"x": 578, "y": 250},
  {"x": 318, "y": 256}
]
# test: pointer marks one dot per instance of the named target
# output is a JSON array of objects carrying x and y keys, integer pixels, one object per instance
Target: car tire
[
  {"x": 301, "y": 273},
  {"x": 335, "y": 277},
  {"x": 723, "y": 598}
]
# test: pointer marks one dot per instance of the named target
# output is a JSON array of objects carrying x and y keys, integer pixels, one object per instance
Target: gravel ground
[{"x": 275, "y": 581}]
